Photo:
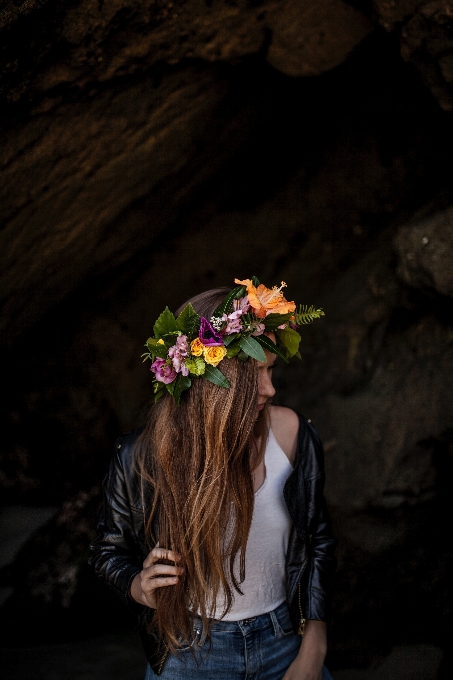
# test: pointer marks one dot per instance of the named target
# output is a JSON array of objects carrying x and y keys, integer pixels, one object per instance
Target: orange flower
[
  {"x": 196, "y": 347},
  {"x": 213, "y": 355},
  {"x": 267, "y": 300}
]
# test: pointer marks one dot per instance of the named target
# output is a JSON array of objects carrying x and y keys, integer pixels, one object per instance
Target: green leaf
[
  {"x": 215, "y": 376},
  {"x": 188, "y": 322},
  {"x": 166, "y": 323},
  {"x": 157, "y": 348},
  {"x": 159, "y": 390},
  {"x": 251, "y": 347},
  {"x": 241, "y": 292},
  {"x": 243, "y": 356},
  {"x": 272, "y": 321},
  {"x": 177, "y": 387},
  {"x": 255, "y": 281},
  {"x": 224, "y": 306},
  {"x": 233, "y": 350},
  {"x": 228, "y": 339},
  {"x": 307, "y": 314},
  {"x": 290, "y": 340},
  {"x": 158, "y": 395},
  {"x": 267, "y": 343},
  {"x": 196, "y": 365}
]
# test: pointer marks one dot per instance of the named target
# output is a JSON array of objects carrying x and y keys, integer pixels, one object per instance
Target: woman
[{"x": 214, "y": 524}]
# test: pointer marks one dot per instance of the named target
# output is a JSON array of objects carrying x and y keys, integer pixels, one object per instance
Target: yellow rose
[
  {"x": 214, "y": 355},
  {"x": 196, "y": 347}
]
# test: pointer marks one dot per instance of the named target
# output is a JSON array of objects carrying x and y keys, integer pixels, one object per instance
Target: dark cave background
[{"x": 151, "y": 150}]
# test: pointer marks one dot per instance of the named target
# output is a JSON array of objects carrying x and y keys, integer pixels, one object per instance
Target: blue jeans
[{"x": 260, "y": 648}]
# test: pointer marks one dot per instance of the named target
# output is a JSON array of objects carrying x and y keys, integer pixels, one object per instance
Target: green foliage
[
  {"x": 177, "y": 387},
  {"x": 215, "y": 376},
  {"x": 306, "y": 314},
  {"x": 290, "y": 340},
  {"x": 252, "y": 348},
  {"x": 159, "y": 390},
  {"x": 241, "y": 292},
  {"x": 267, "y": 343},
  {"x": 196, "y": 365},
  {"x": 255, "y": 281},
  {"x": 188, "y": 322},
  {"x": 165, "y": 324},
  {"x": 228, "y": 339},
  {"x": 157, "y": 348},
  {"x": 233, "y": 350},
  {"x": 272, "y": 321},
  {"x": 225, "y": 306}
]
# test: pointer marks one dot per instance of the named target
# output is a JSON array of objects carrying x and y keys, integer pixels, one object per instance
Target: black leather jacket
[{"x": 120, "y": 548}]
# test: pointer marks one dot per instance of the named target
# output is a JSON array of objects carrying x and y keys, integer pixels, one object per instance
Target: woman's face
[{"x": 266, "y": 389}]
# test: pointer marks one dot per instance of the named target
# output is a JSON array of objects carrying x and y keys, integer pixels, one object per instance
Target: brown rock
[
  {"x": 425, "y": 252},
  {"x": 312, "y": 37},
  {"x": 426, "y": 38}
]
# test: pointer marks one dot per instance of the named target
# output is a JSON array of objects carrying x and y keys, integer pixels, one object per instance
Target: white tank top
[{"x": 264, "y": 585}]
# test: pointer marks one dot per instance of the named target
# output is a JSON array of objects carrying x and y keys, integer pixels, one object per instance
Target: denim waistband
[{"x": 252, "y": 623}]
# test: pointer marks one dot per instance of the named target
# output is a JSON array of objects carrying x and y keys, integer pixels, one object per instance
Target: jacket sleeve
[
  {"x": 321, "y": 543},
  {"x": 115, "y": 552}
]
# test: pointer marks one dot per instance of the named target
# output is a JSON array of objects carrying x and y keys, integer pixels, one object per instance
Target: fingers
[
  {"x": 161, "y": 554},
  {"x": 157, "y": 575},
  {"x": 159, "y": 570},
  {"x": 161, "y": 582}
]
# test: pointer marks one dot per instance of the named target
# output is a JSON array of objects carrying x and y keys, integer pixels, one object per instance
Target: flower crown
[{"x": 190, "y": 346}]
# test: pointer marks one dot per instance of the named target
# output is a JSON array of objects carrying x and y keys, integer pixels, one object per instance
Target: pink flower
[
  {"x": 282, "y": 326},
  {"x": 259, "y": 330},
  {"x": 233, "y": 322},
  {"x": 242, "y": 304},
  {"x": 163, "y": 372},
  {"x": 177, "y": 354}
]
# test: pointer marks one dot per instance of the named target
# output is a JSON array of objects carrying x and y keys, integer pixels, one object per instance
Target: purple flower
[
  {"x": 178, "y": 352},
  {"x": 242, "y": 305},
  {"x": 233, "y": 322},
  {"x": 164, "y": 373},
  {"x": 259, "y": 330},
  {"x": 208, "y": 336}
]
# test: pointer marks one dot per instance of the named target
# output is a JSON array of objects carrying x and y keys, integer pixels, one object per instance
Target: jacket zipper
[{"x": 302, "y": 621}]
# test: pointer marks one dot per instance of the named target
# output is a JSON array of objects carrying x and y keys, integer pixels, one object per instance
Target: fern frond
[{"x": 307, "y": 314}]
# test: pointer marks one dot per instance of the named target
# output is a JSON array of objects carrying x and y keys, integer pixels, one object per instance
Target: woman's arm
[
  {"x": 316, "y": 584},
  {"x": 309, "y": 662},
  {"x": 115, "y": 552}
]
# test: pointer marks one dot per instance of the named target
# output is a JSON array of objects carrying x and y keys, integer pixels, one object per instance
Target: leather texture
[{"x": 120, "y": 547}]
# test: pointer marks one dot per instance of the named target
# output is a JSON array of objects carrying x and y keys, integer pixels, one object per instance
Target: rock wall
[{"x": 155, "y": 149}]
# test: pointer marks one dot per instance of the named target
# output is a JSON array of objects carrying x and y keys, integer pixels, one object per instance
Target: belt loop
[
  {"x": 202, "y": 639},
  {"x": 275, "y": 623}
]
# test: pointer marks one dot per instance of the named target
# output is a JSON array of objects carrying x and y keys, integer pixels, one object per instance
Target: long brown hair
[{"x": 196, "y": 462}]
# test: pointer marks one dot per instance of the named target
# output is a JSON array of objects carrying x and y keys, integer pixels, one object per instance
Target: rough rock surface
[
  {"x": 426, "y": 253},
  {"x": 425, "y": 31},
  {"x": 155, "y": 149}
]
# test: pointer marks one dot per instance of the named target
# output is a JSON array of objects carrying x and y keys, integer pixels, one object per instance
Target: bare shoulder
[{"x": 285, "y": 426}]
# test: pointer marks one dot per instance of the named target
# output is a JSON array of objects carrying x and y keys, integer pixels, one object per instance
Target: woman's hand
[
  {"x": 155, "y": 576},
  {"x": 309, "y": 662}
]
